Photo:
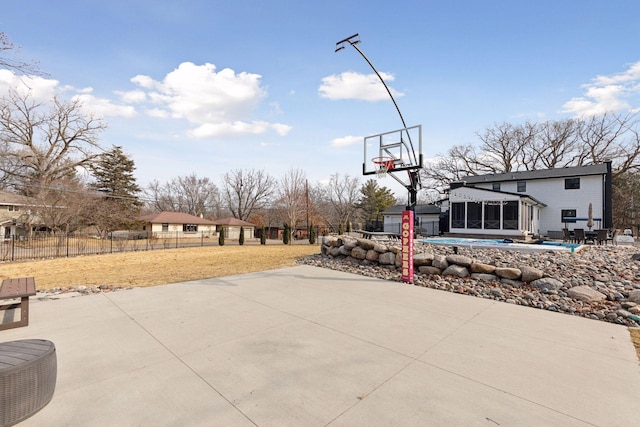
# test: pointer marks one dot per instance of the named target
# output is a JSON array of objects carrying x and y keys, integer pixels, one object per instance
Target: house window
[
  {"x": 165, "y": 227},
  {"x": 13, "y": 209},
  {"x": 492, "y": 216},
  {"x": 496, "y": 186},
  {"x": 457, "y": 215},
  {"x": 510, "y": 216},
  {"x": 522, "y": 186},
  {"x": 189, "y": 228},
  {"x": 572, "y": 183},
  {"x": 567, "y": 214},
  {"x": 474, "y": 215}
]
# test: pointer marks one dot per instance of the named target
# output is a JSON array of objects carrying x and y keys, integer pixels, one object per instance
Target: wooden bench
[{"x": 21, "y": 288}]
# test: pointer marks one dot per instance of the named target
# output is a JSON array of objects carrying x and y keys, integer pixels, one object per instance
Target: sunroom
[{"x": 491, "y": 213}]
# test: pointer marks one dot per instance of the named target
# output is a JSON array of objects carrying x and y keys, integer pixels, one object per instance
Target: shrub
[
  {"x": 241, "y": 238},
  {"x": 221, "y": 237},
  {"x": 263, "y": 236}
]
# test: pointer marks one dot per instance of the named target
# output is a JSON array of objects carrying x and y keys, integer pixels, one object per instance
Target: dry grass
[{"x": 156, "y": 267}]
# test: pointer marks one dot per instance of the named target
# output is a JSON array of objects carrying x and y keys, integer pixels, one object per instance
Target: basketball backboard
[{"x": 402, "y": 146}]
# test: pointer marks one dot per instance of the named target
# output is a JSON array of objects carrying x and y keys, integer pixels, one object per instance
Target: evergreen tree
[
  {"x": 241, "y": 238},
  {"x": 221, "y": 237},
  {"x": 113, "y": 174},
  {"x": 375, "y": 200},
  {"x": 263, "y": 236}
]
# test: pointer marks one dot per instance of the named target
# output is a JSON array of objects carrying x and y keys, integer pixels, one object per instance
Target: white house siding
[
  {"x": 173, "y": 229},
  {"x": 551, "y": 191}
]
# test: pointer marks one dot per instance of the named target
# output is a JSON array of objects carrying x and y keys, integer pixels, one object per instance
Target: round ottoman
[{"x": 28, "y": 370}]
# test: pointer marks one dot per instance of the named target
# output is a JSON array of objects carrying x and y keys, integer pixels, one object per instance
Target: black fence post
[{"x": 13, "y": 245}]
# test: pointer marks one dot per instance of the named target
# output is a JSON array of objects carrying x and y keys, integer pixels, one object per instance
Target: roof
[
  {"x": 231, "y": 221},
  {"x": 175, "y": 218},
  {"x": 597, "y": 169},
  {"x": 420, "y": 210},
  {"x": 487, "y": 190},
  {"x": 7, "y": 198}
]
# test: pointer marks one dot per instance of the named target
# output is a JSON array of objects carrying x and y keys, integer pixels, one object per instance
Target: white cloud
[
  {"x": 347, "y": 141},
  {"x": 616, "y": 92},
  {"x": 132, "y": 96},
  {"x": 217, "y": 102},
  {"x": 43, "y": 90},
  {"x": 352, "y": 85},
  {"x": 105, "y": 108},
  {"x": 39, "y": 88}
]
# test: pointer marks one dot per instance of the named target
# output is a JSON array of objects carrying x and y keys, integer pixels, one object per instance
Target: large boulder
[
  {"x": 358, "y": 253},
  {"x": 508, "y": 273},
  {"x": 462, "y": 260},
  {"x": 482, "y": 268},
  {"x": 485, "y": 277},
  {"x": 429, "y": 269},
  {"x": 372, "y": 255},
  {"x": 380, "y": 248},
  {"x": 423, "y": 258},
  {"x": 334, "y": 251},
  {"x": 634, "y": 296},
  {"x": 547, "y": 283},
  {"x": 456, "y": 270},
  {"x": 440, "y": 261},
  {"x": 350, "y": 244},
  {"x": 366, "y": 244},
  {"x": 529, "y": 274},
  {"x": 387, "y": 258},
  {"x": 586, "y": 294}
]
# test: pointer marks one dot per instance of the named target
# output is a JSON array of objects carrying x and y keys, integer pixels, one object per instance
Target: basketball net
[{"x": 383, "y": 164}]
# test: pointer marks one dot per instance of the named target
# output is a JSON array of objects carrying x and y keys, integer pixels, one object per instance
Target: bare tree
[
  {"x": 343, "y": 194},
  {"x": 189, "y": 194},
  {"x": 245, "y": 191},
  {"x": 292, "y": 197},
  {"x": 9, "y": 60},
  {"x": 64, "y": 206},
  {"x": 44, "y": 143}
]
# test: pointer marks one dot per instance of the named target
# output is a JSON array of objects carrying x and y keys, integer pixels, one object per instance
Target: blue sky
[{"x": 206, "y": 87}]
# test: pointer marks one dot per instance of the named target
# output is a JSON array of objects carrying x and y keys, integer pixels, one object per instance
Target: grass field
[{"x": 160, "y": 267}]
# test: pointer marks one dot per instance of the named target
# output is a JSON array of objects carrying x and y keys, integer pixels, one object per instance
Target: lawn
[{"x": 150, "y": 268}]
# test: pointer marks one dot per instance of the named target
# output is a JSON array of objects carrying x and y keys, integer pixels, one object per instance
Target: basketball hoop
[{"x": 383, "y": 165}]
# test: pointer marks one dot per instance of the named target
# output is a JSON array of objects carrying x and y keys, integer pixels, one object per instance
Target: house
[
  {"x": 231, "y": 227},
  {"x": 427, "y": 216},
  {"x": 178, "y": 224},
  {"x": 531, "y": 203},
  {"x": 14, "y": 215}
]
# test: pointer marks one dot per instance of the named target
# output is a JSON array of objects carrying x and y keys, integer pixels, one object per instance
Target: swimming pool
[{"x": 503, "y": 244}]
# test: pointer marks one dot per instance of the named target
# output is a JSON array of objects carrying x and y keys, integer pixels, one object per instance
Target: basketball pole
[{"x": 414, "y": 176}]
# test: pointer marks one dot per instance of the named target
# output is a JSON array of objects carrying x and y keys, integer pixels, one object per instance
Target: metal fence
[{"x": 47, "y": 245}]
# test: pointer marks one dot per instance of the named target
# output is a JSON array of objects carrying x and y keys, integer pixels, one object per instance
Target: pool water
[{"x": 452, "y": 241}]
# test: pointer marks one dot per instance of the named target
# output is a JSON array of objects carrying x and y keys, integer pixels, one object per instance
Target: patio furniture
[
  {"x": 566, "y": 235},
  {"x": 579, "y": 236},
  {"x": 602, "y": 236},
  {"x": 22, "y": 289},
  {"x": 28, "y": 371}
]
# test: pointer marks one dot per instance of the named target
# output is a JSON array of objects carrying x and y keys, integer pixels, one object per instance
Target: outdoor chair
[
  {"x": 566, "y": 235},
  {"x": 602, "y": 236},
  {"x": 578, "y": 235}
]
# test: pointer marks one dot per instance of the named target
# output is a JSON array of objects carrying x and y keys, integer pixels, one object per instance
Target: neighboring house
[
  {"x": 428, "y": 219},
  {"x": 231, "y": 228},
  {"x": 531, "y": 203},
  {"x": 177, "y": 224},
  {"x": 14, "y": 215}
]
